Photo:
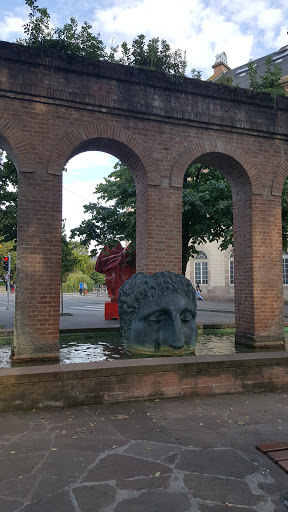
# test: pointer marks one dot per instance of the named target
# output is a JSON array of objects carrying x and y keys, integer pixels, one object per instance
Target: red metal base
[{"x": 111, "y": 311}]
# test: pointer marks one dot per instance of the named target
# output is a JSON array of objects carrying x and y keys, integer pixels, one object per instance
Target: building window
[
  {"x": 231, "y": 268},
  {"x": 201, "y": 268},
  {"x": 285, "y": 267}
]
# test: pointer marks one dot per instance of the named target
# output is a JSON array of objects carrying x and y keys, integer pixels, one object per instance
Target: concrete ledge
[{"x": 114, "y": 381}]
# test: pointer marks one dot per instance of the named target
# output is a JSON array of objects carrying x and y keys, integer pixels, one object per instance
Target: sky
[{"x": 243, "y": 29}]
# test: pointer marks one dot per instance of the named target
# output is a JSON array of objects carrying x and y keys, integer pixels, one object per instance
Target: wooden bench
[{"x": 277, "y": 452}]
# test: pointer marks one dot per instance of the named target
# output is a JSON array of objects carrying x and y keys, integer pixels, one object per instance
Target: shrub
[{"x": 73, "y": 280}]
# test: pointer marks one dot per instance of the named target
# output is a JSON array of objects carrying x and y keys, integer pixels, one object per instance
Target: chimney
[{"x": 220, "y": 65}]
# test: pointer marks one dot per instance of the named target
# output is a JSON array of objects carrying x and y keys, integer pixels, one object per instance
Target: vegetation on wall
[
  {"x": 71, "y": 39},
  {"x": 269, "y": 81}
]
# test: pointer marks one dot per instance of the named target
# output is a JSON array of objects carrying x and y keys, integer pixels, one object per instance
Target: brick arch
[
  {"x": 17, "y": 147},
  {"x": 235, "y": 166},
  {"x": 113, "y": 140},
  {"x": 279, "y": 178}
]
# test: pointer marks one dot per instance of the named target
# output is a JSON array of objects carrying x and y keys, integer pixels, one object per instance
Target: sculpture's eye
[
  {"x": 187, "y": 316},
  {"x": 157, "y": 317}
]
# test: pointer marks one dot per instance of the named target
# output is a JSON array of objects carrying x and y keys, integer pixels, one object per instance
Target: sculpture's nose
[{"x": 176, "y": 338}]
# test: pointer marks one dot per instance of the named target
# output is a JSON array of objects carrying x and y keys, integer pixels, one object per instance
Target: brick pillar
[
  {"x": 258, "y": 271},
  {"x": 159, "y": 229},
  {"x": 37, "y": 305}
]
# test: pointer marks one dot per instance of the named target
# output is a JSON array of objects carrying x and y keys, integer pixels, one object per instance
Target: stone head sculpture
[{"x": 157, "y": 314}]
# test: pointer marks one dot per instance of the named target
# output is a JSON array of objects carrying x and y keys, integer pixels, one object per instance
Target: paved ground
[
  {"x": 195, "y": 455},
  {"x": 159, "y": 456}
]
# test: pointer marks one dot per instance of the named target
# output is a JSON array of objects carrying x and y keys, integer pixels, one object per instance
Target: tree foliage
[
  {"x": 154, "y": 54},
  {"x": 8, "y": 198},
  {"x": 269, "y": 82},
  {"x": 68, "y": 260},
  {"x": 74, "y": 40},
  {"x": 196, "y": 74},
  {"x": 110, "y": 223},
  {"x": 70, "y": 39},
  {"x": 225, "y": 80},
  {"x": 73, "y": 279},
  {"x": 207, "y": 211}
]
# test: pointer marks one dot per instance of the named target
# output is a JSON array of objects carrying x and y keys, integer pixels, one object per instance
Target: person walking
[
  {"x": 85, "y": 288},
  {"x": 80, "y": 287},
  {"x": 198, "y": 291}
]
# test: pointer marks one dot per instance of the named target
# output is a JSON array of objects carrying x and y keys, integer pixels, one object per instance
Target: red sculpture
[{"x": 113, "y": 262}]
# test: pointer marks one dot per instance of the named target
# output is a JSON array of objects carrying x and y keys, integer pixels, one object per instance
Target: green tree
[
  {"x": 72, "y": 282},
  {"x": 76, "y": 258},
  {"x": 82, "y": 259},
  {"x": 155, "y": 55},
  {"x": 8, "y": 198},
  {"x": 68, "y": 259},
  {"x": 70, "y": 39},
  {"x": 225, "y": 80},
  {"x": 113, "y": 223},
  {"x": 269, "y": 82},
  {"x": 196, "y": 74},
  {"x": 207, "y": 211}
]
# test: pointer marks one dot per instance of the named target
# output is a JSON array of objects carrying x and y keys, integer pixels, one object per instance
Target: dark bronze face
[{"x": 165, "y": 324}]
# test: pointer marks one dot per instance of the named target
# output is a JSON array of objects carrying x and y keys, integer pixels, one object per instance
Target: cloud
[{"x": 11, "y": 27}]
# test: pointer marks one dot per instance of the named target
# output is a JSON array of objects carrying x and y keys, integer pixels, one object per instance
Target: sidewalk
[{"x": 193, "y": 455}]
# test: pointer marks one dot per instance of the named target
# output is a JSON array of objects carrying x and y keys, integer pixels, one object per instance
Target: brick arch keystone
[
  {"x": 194, "y": 151},
  {"x": 17, "y": 145},
  {"x": 66, "y": 148}
]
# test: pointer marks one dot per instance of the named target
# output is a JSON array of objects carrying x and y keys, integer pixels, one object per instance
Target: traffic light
[{"x": 6, "y": 264}]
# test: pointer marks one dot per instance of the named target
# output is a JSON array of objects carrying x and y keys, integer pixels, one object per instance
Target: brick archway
[
  {"x": 230, "y": 161},
  {"x": 157, "y": 127},
  {"x": 111, "y": 139}
]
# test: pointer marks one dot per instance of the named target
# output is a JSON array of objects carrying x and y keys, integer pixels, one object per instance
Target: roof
[{"x": 241, "y": 77}]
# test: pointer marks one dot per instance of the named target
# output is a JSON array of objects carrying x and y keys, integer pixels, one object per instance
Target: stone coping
[
  {"x": 143, "y": 365},
  {"x": 120, "y": 72},
  {"x": 75, "y": 384}
]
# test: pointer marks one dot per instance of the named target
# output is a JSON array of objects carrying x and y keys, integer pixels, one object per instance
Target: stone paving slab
[{"x": 189, "y": 455}]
